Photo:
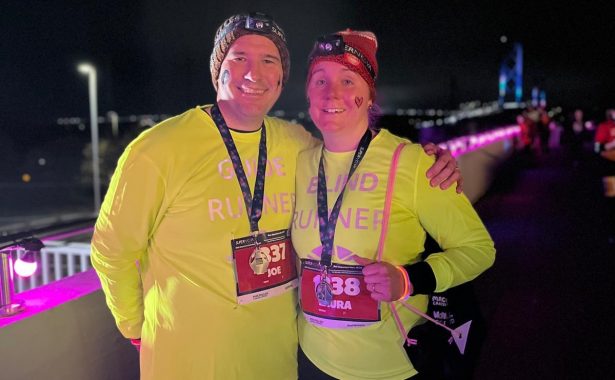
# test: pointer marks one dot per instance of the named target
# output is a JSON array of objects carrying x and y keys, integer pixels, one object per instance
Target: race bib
[
  {"x": 352, "y": 304},
  {"x": 266, "y": 270}
]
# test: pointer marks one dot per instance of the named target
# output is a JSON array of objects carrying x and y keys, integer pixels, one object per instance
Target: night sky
[{"x": 153, "y": 56}]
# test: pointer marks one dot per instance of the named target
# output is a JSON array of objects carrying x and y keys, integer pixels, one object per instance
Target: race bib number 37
[
  {"x": 352, "y": 305},
  {"x": 278, "y": 275}
]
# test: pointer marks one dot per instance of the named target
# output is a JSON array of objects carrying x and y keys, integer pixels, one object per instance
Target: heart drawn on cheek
[{"x": 358, "y": 101}]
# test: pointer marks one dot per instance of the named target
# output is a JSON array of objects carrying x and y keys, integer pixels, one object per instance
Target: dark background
[{"x": 153, "y": 56}]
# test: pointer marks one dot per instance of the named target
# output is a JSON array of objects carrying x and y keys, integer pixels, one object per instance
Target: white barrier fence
[{"x": 57, "y": 260}]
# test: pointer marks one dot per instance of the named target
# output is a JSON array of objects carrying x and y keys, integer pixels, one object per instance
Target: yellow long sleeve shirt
[
  {"x": 162, "y": 250},
  {"x": 375, "y": 351}
]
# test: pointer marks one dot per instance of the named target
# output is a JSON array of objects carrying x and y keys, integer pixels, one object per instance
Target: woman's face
[{"x": 339, "y": 99}]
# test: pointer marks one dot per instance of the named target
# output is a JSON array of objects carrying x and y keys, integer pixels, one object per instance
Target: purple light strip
[
  {"x": 47, "y": 297},
  {"x": 52, "y": 295},
  {"x": 465, "y": 144}
]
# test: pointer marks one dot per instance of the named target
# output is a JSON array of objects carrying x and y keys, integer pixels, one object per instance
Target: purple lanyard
[
  {"x": 254, "y": 204},
  {"x": 328, "y": 222}
]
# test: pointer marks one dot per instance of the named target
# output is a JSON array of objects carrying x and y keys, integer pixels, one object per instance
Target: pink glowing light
[
  {"x": 25, "y": 268},
  {"x": 55, "y": 294},
  {"x": 466, "y": 144}
]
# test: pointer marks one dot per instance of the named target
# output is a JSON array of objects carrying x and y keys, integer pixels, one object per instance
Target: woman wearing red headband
[{"x": 346, "y": 329}]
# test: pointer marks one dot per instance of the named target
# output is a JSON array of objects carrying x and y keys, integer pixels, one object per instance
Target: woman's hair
[{"x": 374, "y": 112}]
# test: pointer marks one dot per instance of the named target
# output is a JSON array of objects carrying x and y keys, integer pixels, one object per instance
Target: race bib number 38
[
  {"x": 278, "y": 274},
  {"x": 352, "y": 305}
]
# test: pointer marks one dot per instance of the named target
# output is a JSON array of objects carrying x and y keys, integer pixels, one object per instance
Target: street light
[{"x": 90, "y": 71}]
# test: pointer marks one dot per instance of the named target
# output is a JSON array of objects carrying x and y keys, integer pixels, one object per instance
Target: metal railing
[
  {"x": 56, "y": 261},
  {"x": 59, "y": 257}
]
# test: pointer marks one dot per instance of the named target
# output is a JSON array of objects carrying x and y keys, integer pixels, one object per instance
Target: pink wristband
[{"x": 407, "y": 284}]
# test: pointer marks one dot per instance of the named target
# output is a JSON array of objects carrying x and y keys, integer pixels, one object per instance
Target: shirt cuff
[{"x": 422, "y": 278}]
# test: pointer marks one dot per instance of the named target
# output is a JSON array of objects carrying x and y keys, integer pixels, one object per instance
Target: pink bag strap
[
  {"x": 383, "y": 233},
  {"x": 388, "y": 199}
]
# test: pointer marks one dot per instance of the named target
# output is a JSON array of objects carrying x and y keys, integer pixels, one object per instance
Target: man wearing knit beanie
[
  {"x": 240, "y": 25},
  {"x": 249, "y": 67},
  {"x": 203, "y": 202},
  {"x": 192, "y": 197}
]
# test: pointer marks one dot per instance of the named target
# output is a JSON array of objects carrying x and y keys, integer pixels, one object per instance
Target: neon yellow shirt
[
  {"x": 173, "y": 206},
  {"x": 376, "y": 352}
]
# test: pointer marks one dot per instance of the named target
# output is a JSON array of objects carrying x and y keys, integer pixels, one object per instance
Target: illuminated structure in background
[
  {"x": 465, "y": 144},
  {"x": 539, "y": 97},
  {"x": 511, "y": 76}
]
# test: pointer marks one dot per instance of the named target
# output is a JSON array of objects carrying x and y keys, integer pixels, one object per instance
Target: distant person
[
  {"x": 538, "y": 122},
  {"x": 192, "y": 243},
  {"x": 346, "y": 331},
  {"x": 604, "y": 142},
  {"x": 543, "y": 129},
  {"x": 578, "y": 124},
  {"x": 577, "y": 131},
  {"x": 605, "y": 134},
  {"x": 532, "y": 117},
  {"x": 525, "y": 137}
]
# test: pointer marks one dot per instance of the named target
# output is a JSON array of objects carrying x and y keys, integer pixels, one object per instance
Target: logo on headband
[
  {"x": 352, "y": 59},
  {"x": 362, "y": 58}
]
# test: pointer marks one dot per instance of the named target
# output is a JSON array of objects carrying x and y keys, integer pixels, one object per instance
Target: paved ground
[{"x": 548, "y": 299}]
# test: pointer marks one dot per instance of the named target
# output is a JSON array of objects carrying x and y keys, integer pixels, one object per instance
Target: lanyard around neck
[
  {"x": 254, "y": 204},
  {"x": 328, "y": 222}
]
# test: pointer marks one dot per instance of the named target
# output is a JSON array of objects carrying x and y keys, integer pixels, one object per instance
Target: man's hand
[
  {"x": 444, "y": 172},
  {"x": 136, "y": 344}
]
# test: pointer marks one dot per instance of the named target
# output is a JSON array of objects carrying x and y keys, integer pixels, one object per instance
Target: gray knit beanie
[{"x": 241, "y": 25}]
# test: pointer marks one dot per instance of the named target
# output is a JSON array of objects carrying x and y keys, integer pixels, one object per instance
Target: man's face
[{"x": 250, "y": 80}]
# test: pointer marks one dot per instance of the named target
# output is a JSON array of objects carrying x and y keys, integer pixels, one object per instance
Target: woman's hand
[
  {"x": 444, "y": 172},
  {"x": 385, "y": 281}
]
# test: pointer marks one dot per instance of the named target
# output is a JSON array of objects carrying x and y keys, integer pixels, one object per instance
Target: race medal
[
  {"x": 258, "y": 261},
  {"x": 324, "y": 292},
  {"x": 264, "y": 267}
]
